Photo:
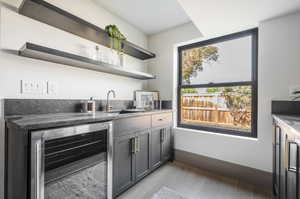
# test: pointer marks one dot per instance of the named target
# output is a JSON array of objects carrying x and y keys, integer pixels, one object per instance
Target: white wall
[
  {"x": 278, "y": 69},
  {"x": 216, "y": 18},
  {"x": 163, "y": 45},
  {"x": 73, "y": 83}
]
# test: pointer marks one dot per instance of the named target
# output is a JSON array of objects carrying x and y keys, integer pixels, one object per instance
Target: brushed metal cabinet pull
[
  {"x": 293, "y": 169},
  {"x": 133, "y": 145},
  {"x": 162, "y": 135},
  {"x": 137, "y": 144}
]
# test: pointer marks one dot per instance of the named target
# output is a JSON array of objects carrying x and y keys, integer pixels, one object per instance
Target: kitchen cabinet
[
  {"x": 166, "y": 143},
  {"x": 292, "y": 172},
  {"x": 160, "y": 146},
  {"x": 156, "y": 148},
  {"x": 128, "y": 158},
  {"x": 141, "y": 145},
  {"x": 131, "y": 159},
  {"x": 276, "y": 160},
  {"x": 282, "y": 188},
  {"x": 285, "y": 163},
  {"x": 142, "y": 154},
  {"x": 123, "y": 166}
]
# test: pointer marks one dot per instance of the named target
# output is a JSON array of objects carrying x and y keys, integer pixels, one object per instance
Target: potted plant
[{"x": 116, "y": 39}]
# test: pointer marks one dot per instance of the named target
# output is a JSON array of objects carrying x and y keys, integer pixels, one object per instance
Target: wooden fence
[{"x": 207, "y": 110}]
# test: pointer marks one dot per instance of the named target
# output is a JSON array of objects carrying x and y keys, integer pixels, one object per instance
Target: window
[{"x": 217, "y": 84}]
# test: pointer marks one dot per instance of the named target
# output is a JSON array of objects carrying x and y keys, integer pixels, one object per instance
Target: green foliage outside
[
  {"x": 189, "y": 91},
  {"x": 192, "y": 61},
  {"x": 213, "y": 90},
  {"x": 238, "y": 101},
  {"x": 237, "y": 97}
]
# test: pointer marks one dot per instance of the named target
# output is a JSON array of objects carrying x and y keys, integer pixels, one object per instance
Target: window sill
[{"x": 214, "y": 134}]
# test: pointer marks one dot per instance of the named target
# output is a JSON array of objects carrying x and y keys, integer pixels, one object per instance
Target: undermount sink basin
[
  {"x": 126, "y": 111},
  {"x": 132, "y": 111}
]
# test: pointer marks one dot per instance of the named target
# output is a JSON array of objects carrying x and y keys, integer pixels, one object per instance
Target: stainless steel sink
[{"x": 125, "y": 111}]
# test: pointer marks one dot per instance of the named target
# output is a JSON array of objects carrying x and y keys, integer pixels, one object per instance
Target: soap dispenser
[{"x": 89, "y": 106}]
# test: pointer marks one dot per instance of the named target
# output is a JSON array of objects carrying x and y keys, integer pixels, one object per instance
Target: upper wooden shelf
[
  {"x": 56, "y": 56},
  {"x": 54, "y": 16}
]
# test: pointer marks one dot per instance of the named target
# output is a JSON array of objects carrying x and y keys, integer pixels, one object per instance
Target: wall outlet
[
  {"x": 52, "y": 88},
  {"x": 32, "y": 87}
]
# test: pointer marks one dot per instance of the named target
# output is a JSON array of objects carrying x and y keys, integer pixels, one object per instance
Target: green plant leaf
[
  {"x": 296, "y": 92},
  {"x": 116, "y": 37},
  {"x": 295, "y": 98}
]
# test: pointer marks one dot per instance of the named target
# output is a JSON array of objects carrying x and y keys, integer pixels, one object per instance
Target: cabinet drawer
[
  {"x": 131, "y": 125},
  {"x": 163, "y": 119}
]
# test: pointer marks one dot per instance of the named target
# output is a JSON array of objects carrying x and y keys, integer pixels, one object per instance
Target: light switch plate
[{"x": 52, "y": 88}]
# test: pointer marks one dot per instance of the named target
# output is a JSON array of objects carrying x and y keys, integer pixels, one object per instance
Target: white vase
[{"x": 121, "y": 60}]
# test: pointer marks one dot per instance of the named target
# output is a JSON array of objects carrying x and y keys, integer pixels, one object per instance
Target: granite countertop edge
[
  {"x": 291, "y": 122},
  {"x": 56, "y": 120}
]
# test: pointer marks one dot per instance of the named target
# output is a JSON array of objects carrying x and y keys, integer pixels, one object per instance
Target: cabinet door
[
  {"x": 166, "y": 143},
  {"x": 282, "y": 165},
  {"x": 298, "y": 167},
  {"x": 124, "y": 163},
  {"x": 156, "y": 148},
  {"x": 292, "y": 172},
  {"x": 276, "y": 160},
  {"x": 142, "y": 155}
]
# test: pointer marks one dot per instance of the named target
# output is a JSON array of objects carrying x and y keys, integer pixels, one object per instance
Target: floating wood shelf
[
  {"x": 52, "y": 55},
  {"x": 54, "y": 16}
]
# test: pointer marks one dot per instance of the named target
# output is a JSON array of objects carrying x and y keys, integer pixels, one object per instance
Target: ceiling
[
  {"x": 215, "y": 17},
  {"x": 12, "y": 3},
  {"x": 212, "y": 17},
  {"x": 150, "y": 16}
]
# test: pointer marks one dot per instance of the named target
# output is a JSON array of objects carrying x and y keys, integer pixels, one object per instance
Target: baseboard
[{"x": 256, "y": 177}]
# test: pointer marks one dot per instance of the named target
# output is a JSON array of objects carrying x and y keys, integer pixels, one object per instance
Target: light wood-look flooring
[{"x": 193, "y": 183}]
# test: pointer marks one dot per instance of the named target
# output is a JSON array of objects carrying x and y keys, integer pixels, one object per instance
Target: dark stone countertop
[
  {"x": 44, "y": 121},
  {"x": 291, "y": 122}
]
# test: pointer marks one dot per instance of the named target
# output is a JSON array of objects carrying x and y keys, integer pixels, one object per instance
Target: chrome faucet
[{"x": 108, "y": 107}]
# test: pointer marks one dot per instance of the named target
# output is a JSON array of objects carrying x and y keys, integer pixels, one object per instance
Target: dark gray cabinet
[
  {"x": 292, "y": 171},
  {"x": 282, "y": 169},
  {"x": 141, "y": 144},
  {"x": 160, "y": 146},
  {"x": 156, "y": 148},
  {"x": 124, "y": 163},
  {"x": 131, "y": 159},
  {"x": 166, "y": 143},
  {"x": 142, "y": 154},
  {"x": 276, "y": 160},
  {"x": 285, "y": 163}
]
